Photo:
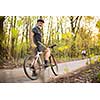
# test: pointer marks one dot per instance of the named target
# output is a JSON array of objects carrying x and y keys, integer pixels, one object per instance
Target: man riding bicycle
[{"x": 37, "y": 37}]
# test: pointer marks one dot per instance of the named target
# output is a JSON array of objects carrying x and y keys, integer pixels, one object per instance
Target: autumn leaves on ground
[{"x": 72, "y": 34}]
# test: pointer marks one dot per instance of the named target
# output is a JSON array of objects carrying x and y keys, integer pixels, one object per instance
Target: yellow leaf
[
  {"x": 61, "y": 49},
  {"x": 66, "y": 47}
]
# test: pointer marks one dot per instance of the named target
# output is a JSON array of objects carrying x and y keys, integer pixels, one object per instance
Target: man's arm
[{"x": 31, "y": 40}]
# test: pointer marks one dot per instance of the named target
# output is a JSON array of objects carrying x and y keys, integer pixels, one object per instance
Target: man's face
[{"x": 40, "y": 24}]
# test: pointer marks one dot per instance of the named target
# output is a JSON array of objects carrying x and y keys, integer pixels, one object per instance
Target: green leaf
[
  {"x": 92, "y": 61},
  {"x": 66, "y": 47},
  {"x": 19, "y": 23},
  {"x": 61, "y": 48},
  {"x": 98, "y": 59},
  {"x": 98, "y": 24},
  {"x": 92, "y": 55},
  {"x": 64, "y": 36},
  {"x": 14, "y": 32}
]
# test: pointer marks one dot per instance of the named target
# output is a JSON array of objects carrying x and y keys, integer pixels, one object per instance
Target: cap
[{"x": 40, "y": 20}]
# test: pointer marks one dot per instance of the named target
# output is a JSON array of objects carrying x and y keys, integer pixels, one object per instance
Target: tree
[
  {"x": 75, "y": 24},
  {"x": 66, "y": 31},
  {"x": 2, "y": 18},
  {"x": 3, "y": 51}
]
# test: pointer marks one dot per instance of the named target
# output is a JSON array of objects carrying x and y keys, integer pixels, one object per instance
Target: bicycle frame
[
  {"x": 39, "y": 53},
  {"x": 37, "y": 57}
]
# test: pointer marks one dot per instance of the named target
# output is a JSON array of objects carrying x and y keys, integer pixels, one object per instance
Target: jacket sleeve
[{"x": 34, "y": 30}]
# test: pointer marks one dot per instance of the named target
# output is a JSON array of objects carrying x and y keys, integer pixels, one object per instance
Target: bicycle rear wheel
[
  {"x": 28, "y": 68},
  {"x": 53, "y": 64}
]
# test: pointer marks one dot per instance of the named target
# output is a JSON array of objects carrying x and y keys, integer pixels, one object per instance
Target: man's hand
[
  {"x": 47, "y": 50},
  {"x": 33, "y": 45}
]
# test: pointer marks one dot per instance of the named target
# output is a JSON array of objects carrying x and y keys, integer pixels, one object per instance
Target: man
[
  {"x": 83, "y": 54},
  {"x": 37, "y": 36}
]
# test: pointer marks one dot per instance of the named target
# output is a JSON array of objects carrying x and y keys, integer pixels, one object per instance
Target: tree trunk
[
  {"x": 75, "y": 23},
  {"x": 12, "y": 42},
  {"x": 13, "y": 38},
  {"x": 72, "y": 24},
  {"x": 3, "y": 51},
  {"x": 2, "y": 18}
]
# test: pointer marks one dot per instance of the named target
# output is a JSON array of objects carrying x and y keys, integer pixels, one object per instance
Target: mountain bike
[{"x": 36, "y": 63}]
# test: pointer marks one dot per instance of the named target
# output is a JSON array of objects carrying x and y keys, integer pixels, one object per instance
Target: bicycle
[{"x": 36, "y": 63}]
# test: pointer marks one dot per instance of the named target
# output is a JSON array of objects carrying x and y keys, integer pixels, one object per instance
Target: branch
[
  {"x": 78, "y": 24},
  {"x": 76, "y": 19}
]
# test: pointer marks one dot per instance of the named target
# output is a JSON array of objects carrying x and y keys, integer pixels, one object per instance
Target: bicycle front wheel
[
  {"x": 28, "y": 68},
  {"x": 53, "y": 64}
]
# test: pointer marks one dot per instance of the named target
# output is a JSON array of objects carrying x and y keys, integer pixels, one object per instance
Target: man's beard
[{"x": 40, "y": 27}]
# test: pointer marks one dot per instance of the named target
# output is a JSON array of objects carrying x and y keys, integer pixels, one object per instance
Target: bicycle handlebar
[{"x": 52, "y": 46}]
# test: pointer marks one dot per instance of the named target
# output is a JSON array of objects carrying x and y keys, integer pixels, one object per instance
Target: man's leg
[
  {"x": 47, "y": 55},
  {"x": 34, "y": 74}
]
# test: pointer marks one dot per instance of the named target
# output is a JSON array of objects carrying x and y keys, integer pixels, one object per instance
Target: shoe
[
  {"x": 34, "y": 75},
  {"x": 46, "y": 66}
]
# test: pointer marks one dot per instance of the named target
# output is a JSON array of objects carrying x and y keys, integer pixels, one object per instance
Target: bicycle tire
[
  {"x": 26, "y": 67},
  {"x": 54, "y": 67}
]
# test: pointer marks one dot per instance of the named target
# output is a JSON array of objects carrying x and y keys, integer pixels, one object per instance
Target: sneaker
[
  {"x": 46, "y": 65},
  {"x": 34, "y": 75}
]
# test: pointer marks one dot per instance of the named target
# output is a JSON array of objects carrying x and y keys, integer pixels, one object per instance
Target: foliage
[
  {"x": 98, "y": 24},
  {"x": 57, "y": 30}
]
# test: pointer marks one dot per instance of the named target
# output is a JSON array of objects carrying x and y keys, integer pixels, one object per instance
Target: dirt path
[{"x": 18, "y": 76}]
